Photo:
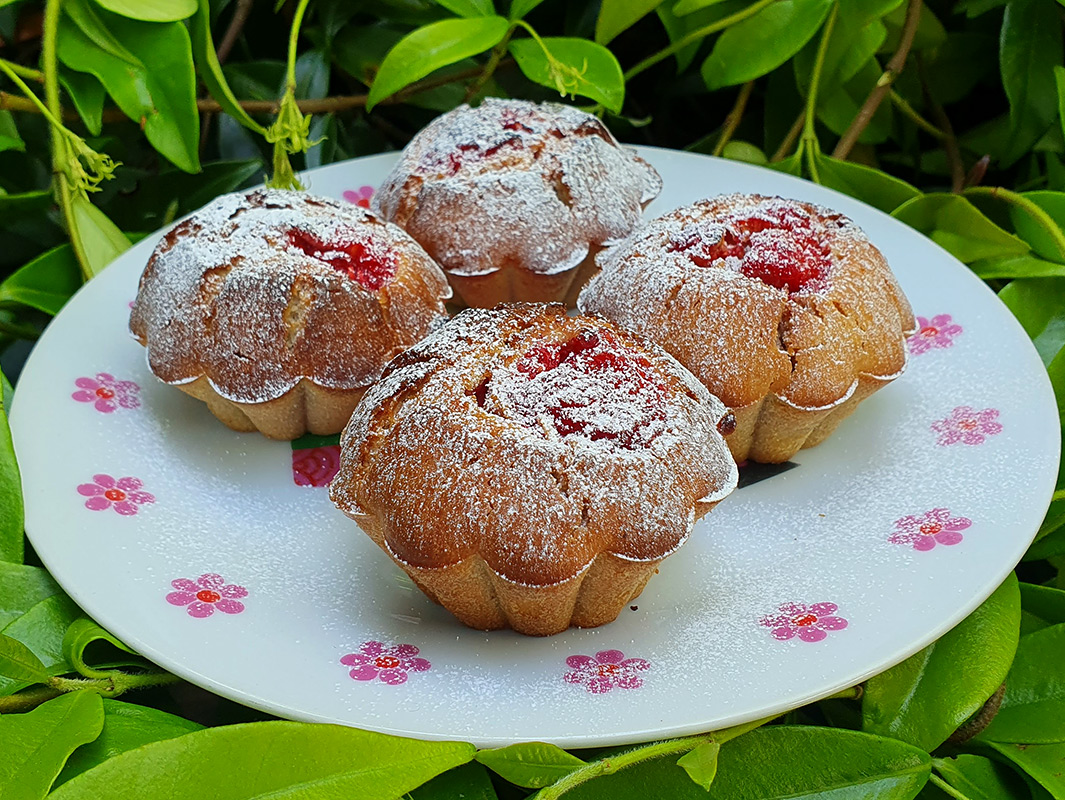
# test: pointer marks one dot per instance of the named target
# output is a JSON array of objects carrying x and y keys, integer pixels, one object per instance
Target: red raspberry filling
[
  {"x": 361, "y": 259},
  {"x": 786, "y": 250}
]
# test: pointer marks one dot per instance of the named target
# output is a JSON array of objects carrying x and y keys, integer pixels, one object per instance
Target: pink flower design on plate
[
  {"x": 967, "y": 425},
  {"x": 205, "y": 594},
  {"x": 107, "y": 393},
  {"x": 360, "y": 196},
  {"x": 933, "y": 334},
  {"x": 809, "y": 622},
  {"x": 315, "y": 466},
  {"x": 123, "y": 495},
  {"x": 388, "y": 664},
  {"x": 607, "y": 670},
  {"x": 931, "y": 528}
]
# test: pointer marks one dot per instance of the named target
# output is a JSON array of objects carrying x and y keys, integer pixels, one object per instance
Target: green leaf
[
  {"x": 761, "y": 43},
  {"x": 616, "y": 16},
  {"x": 154, "y": 83},
  {"x": 735, "y": 150},
  {"x": 46, "y": 283},
  {"x": 1016, "y": 267},
  {"x": 152, "y": 10},
  {"x": 18, "y": 662},
  {"x": 84, "y": 632},
  {"x": 530, "y": 764},
  {"x": 1043, "y": 604},
  {"x": 468, "y": 782},
  {"x": 9, "y": 135},
  {"x": 684, "y": 7},
  {"x": 87, "y": 94},
  {"x": 125, "y": 727},
  {"x": 11, "y": 509},
  {"x": 468, "y": 8},
  {"x": 1030, "y": 47},
  {"x": 926, "y": 697},
  {"x": 779, "y": 762},
  {"x": 520, "y": 8},
  {"x": 1039, "y": 305},
  {"x": 792, "y": 165},
  {"x": 41, "y": 629},
  {"x": 37, "y": 744},
  {"x": 958, "y": 226},
  {"x": 1033, "y": 708},
  {"x": 869, "y": 185},
  {"x": 573, "y": 67},
  {"x": 100, "y": 239},
  {"x": 1043, "y": 762},
  {"x": 979, "y": 778},
  {"x": 269, "y": 759},
  {"x": 210, "y": 71},
  {"x": 701, "y": 763},
  {"x": 1059, "y": 83},
  {"x": 21, "y": 588},
  {"x": 432, "y": 46},
  {"x": 930, "y": 35},
  {"x": 837, "y": 106},
  {"x": 1030, "y": 221},
  {"x": 17, "y": 207}
]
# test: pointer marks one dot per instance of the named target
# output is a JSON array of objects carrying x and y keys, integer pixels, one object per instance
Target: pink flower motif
[
  {"x": 931, "y": 528},
  {"x": 607, "y": 670},
  {"x": 360, "y": 197},
  {"x": 208, "y": 592},
  {"x": 967, "y": 425},
  {"x": 107, "y": 393},
  {"x": 315, "y": 466},
  {"x": 123, "y": 495},
  {"x": 808, "y": 622},
  {"x": 387, "y": 664},
  {"x": 933, "y": 334}
]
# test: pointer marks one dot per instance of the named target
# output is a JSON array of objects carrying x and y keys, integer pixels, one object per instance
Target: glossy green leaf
[
  {"x": 468, "y": 782},
  {"x": 82, "y": 633},
  {"x": 869, "y": 185},
  {"x": 125, "y": 727},
  {"x": 1039, "y": 305},
  {"x": 926, "y": 697},
  {"x": 519, "y": 8},
  {"x": 792, "y": 165},
  {"x": 955, "y": 224},
  {"x": 278, "y": 760},
  {"x": 616, "y": 16},
  {"x": 46, "y": 283},
  {"x": 960, "y": 64},
  {"x": 152, "y": 10},
  {"x": 838, "y": 105},
  {"x": 1030, "y": 46},
  {"x": 736, "y": 150},
  {"x": 761, "y": 43},
  {"x": 87, "y": 94},
  {"x": 701, "y": 763},
  {"x": 1043, "y": 762},
  {"x": 11, "y": 509},
  {"x": 157, "y": 88},
  {"x": 35, "y": 745},
  {"x": 21, "y": 588},
  {"x": 1059, "y": 84},
  {"x": 679, "y": 27},
  {"x": 433, "y": 46},
  {"x": 210, "y": 71},
  {"x": 1033, "y": 708},
  {"x": 87, "y": 19},
  {"x": 979, "y": 778},
  {"x": 15, "y": 208},
  {"x": 100, "y": 239},
  {"x": 1016, "y": 267},
  {"x": 41, "y": 629},
  {"x": 1029, "y": 220},
  {"x": 468, "y": 8},
  {"x": 572, "y": 67},
  {"x": 18, "y": 663},
  {"x": 1043, "y": 604},
  {"x": 530, "y": 764},
  {"x": 778, "y": 763},
  {"x": 684, "y": 7}
]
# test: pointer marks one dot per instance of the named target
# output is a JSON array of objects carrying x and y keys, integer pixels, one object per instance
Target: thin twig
[
  {"x": 489, "y": 69},
  {"x": 912, "y": 114},
  {"x": 791, "y": 138},
  {"x": 950, "y": 141},
  {"x": 732, "y": 121},
  {"x": 236, "y": 25},
  {"x": 891, "y": 72}
]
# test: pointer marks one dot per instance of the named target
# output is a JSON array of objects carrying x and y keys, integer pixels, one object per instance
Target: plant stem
[
  {"x": 911, "y": 114},
  {"x": 29, "y": 73},
  {"x": 791, "y": 138},
  {"x": 27, "y": 700},
  {"x": 891, "y": 72},
  {"x": 32, "y": 98},
  {"x": 498, "y": 52},
  {"x": 732, "y": 121},
  {"x": 293, "y": 41},
  {"x": 695, "y": 36},
  {"x": 236, "y": 25},
  {"x": 809, "y": 132},
  {"x": 946, "y": 788}
]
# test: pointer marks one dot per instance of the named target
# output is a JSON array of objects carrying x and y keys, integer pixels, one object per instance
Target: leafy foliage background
[{"x": 118, "y": 116}]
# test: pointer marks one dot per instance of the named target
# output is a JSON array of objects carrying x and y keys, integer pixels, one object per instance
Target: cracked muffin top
[
  {"x": 515, "y": 184},
  {"x": 759, "y": 295},
  {"x": 536, "y": 441},
  {"x": 258, "y": 291}
]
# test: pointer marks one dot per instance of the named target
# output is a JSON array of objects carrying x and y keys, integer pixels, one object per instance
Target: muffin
[
  {"x": 514, "y": 199},
  {"x": 278, "y": 309},
  {"x": 531, "y": 470},
  {"x": 781, "y": 308}
]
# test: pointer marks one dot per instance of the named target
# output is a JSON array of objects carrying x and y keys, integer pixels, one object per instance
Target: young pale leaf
[
  {"x": 1039, "y": 305},
  {"x": 156, "y": 89},
  {"x": 46, "y": 283},
  {"x": 84, "y": 632},
  {"x": 432, "y": 46},
  {"x": 100, "y": 240},
  {"x": 468, "y": 8},
  {"x": 126, "y": 727},
  {"x": 37, "y": 744},
  {"x": 530, "y": 764},
  {"x": 572, "y": 67},
  {"x": 701, "y": 763},
  {"x": 762, "y": 43},
  {"x": 11, "y": 510},
  {"x": 616, "y": 16},
  {"x": 1045, "y": 763},
  {"x": 925, "y": 698},
  {"x": 210, "y": 71},
  {"x": 979, "y": 778},
  {"x": 1030, "y": 46},
  {"x": 519, "y": 8},
  {"x": 1033, "y": 708},
  {"x": 21, "y": 588},
  {"x": 41, "y": 629},
  {"x": 956, "y": 225},
  {"x": 87, "y": 94},
  {"x": 1016, "y": 267},
  {"x": 869, "y": 185},
  {"x": 18, "y": 662},
  {"x": 269, "y": 759},
  {"x": 152, "y": 10},
  {"x": 468, "y": 782}
]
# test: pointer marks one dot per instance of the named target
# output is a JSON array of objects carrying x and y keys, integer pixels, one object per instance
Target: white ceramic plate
[{"x": 966, "y": 440}]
